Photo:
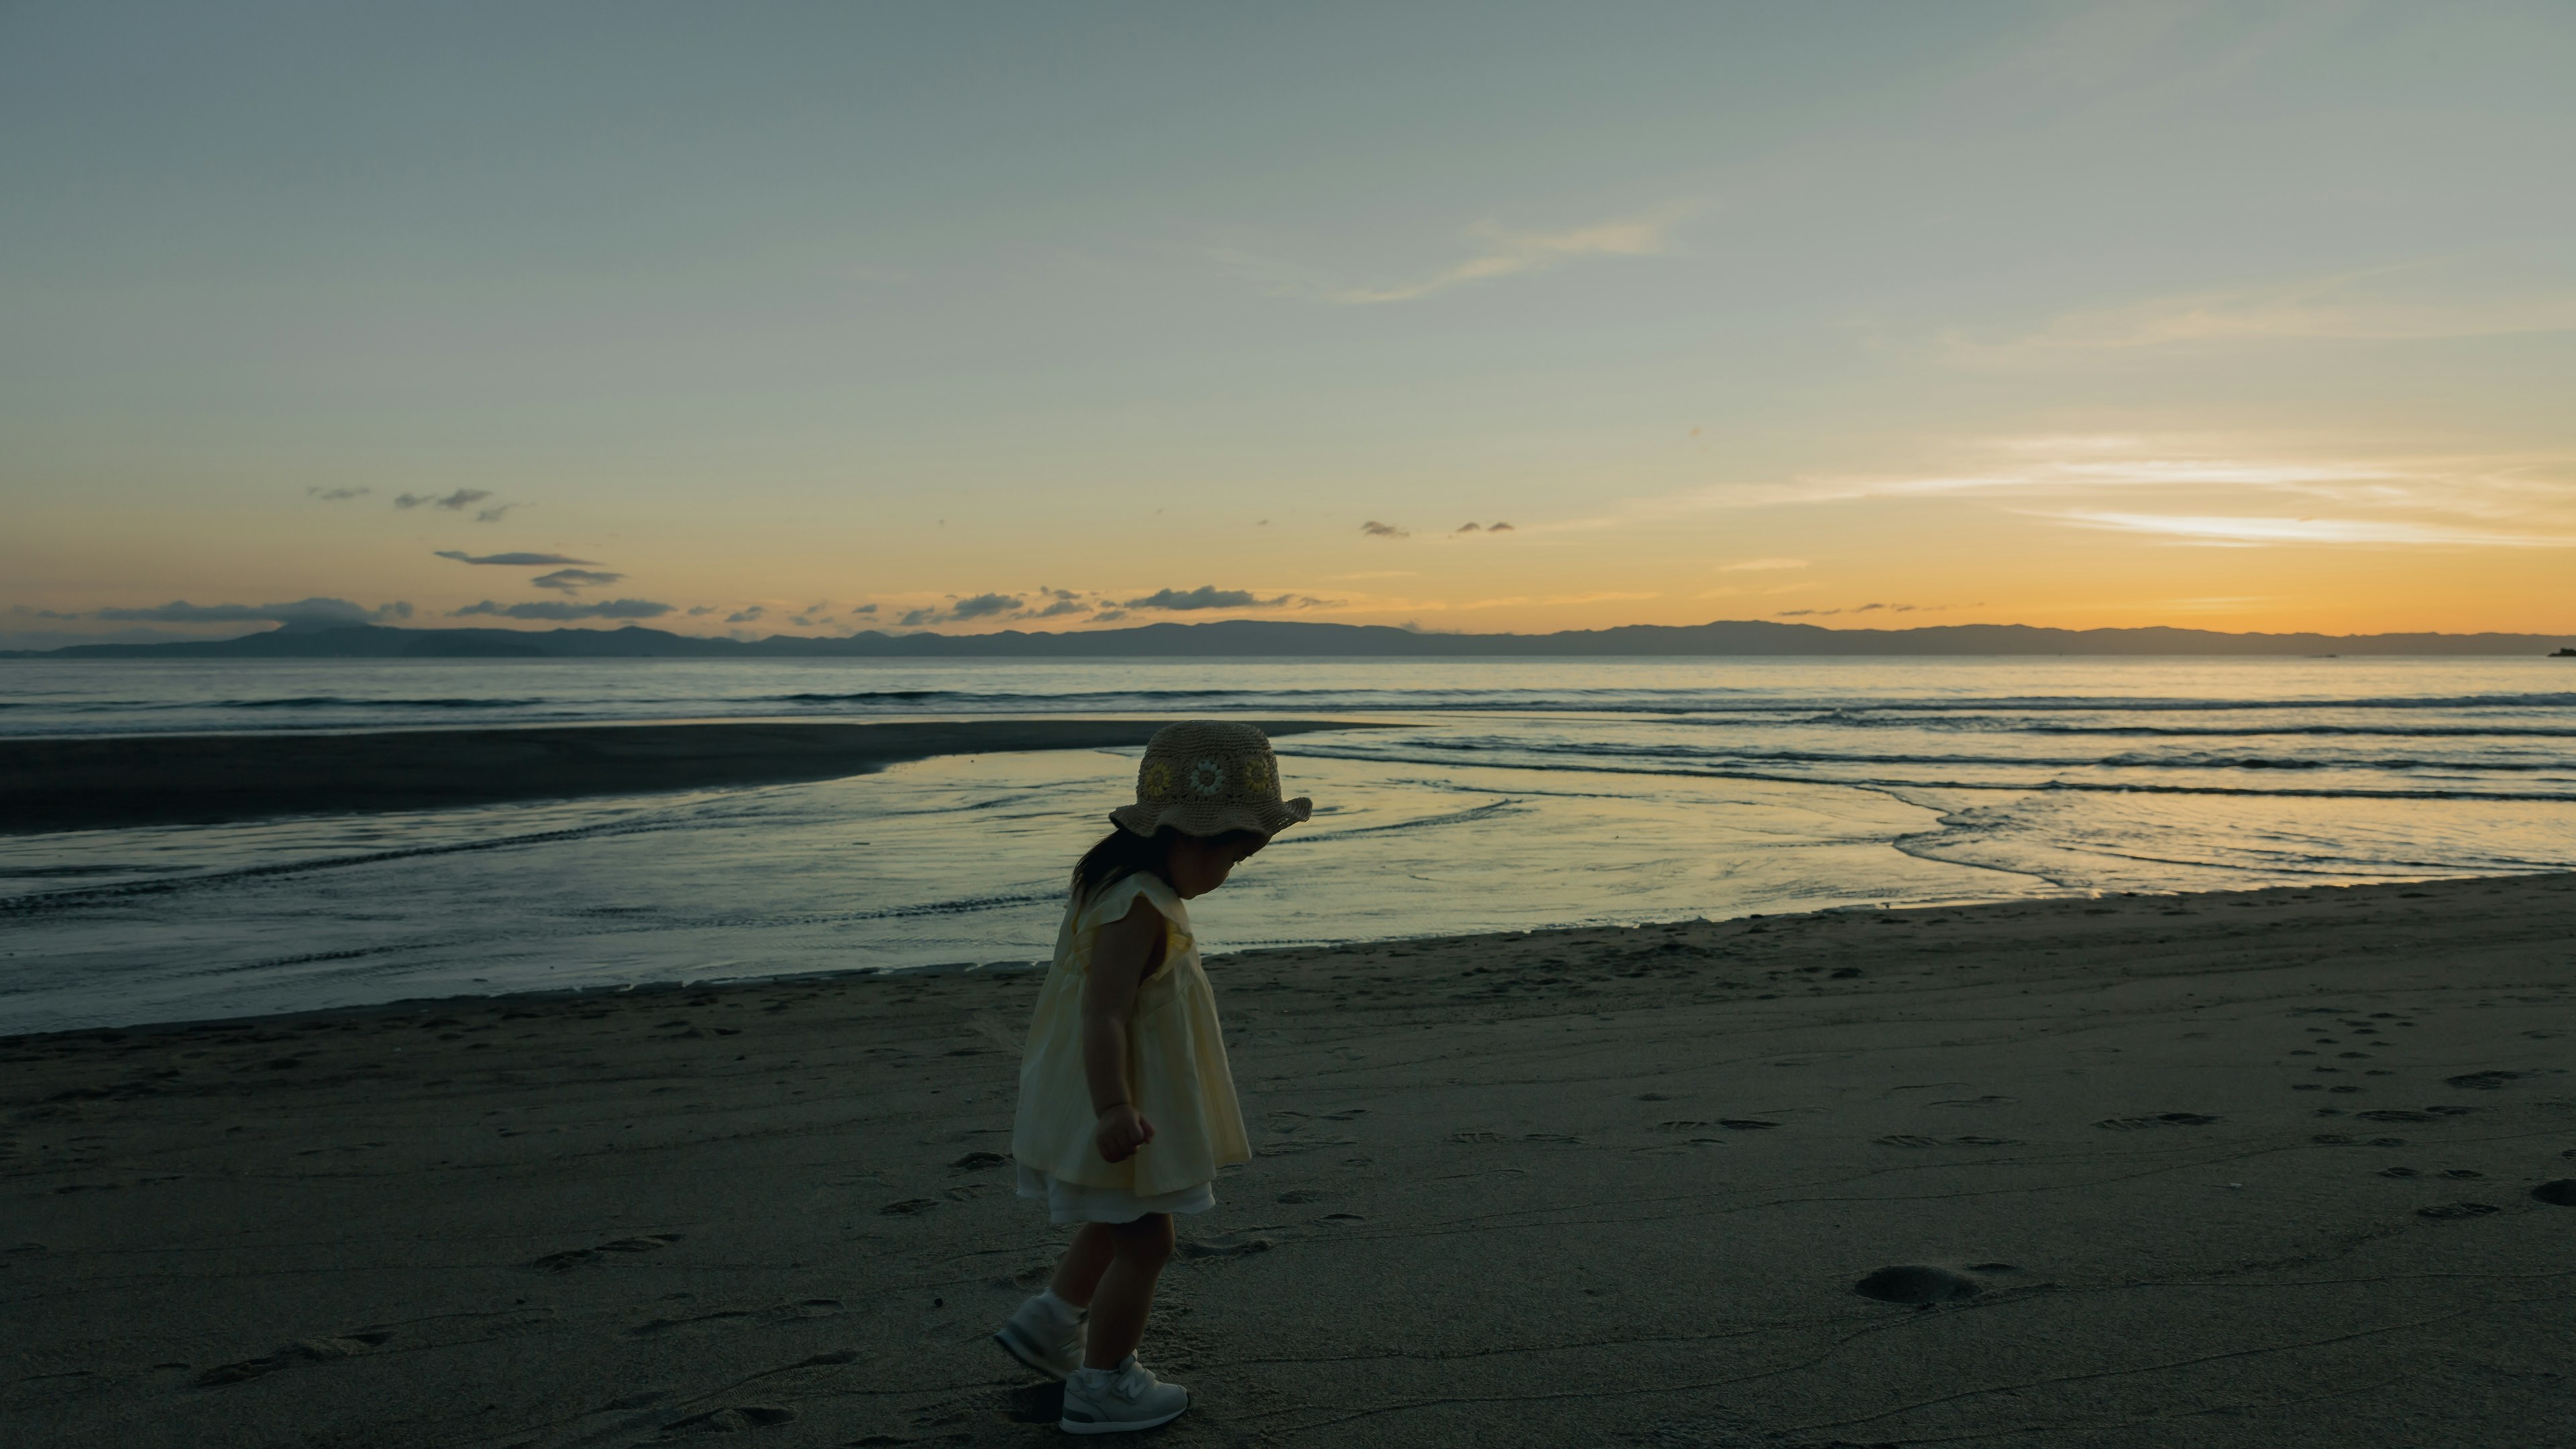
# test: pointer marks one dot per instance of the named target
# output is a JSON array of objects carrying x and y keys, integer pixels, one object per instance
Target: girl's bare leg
[
  {"x": 1125, "y": 1294},
  {"x": 1085, "y": 1259}
]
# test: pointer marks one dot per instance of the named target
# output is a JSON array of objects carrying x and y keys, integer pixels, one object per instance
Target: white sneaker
[
  {"x": 1038, "y": 1334},
  {"x": 1119, "y": 1400}
]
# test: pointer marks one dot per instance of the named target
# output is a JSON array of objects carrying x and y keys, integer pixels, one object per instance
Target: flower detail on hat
[
  {"x": 1155, "y": 781},
  {"x": 1208, "y": 775},
  {"x": 1259, "y": 773}
]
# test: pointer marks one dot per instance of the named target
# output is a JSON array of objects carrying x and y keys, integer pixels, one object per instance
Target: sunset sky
[{"x": 806, "y": 319}]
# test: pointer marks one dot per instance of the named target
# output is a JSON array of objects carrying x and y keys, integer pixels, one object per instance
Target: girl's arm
[{"x": 1127, "y": 952}]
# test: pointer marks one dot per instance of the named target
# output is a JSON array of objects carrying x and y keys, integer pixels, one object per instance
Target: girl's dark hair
[{"x": 1122, "y": 853}]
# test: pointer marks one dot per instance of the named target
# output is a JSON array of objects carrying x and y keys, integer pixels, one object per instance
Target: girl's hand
[{"x": 1121, "y": 1130}]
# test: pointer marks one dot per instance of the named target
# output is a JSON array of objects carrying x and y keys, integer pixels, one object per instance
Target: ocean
[{"x": 1490, "y": 795}]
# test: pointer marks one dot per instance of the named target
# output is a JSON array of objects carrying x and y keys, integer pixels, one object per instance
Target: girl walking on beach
[{"x": 1127, "y": 1109}]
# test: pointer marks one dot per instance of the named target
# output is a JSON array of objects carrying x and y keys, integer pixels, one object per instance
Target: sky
[{"x": 808, "y": 319}]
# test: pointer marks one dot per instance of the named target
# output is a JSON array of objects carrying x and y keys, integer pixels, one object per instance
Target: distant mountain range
[{"x": 1255, "y": 638}]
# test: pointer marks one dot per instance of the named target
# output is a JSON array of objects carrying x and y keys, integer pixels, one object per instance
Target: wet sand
[
  {"x": 83, "y": 784},
  {"x": 2249, "y": 1170}
]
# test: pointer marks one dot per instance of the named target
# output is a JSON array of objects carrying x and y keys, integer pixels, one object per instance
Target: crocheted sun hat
[{"x": 1206, "y": 777}]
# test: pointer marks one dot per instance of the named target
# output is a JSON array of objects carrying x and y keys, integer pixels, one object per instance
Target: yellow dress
[{"x": 1176, "y": 1061}]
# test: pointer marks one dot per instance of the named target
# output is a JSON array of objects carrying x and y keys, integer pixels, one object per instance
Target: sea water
[{"x": 1484, "y": 795}]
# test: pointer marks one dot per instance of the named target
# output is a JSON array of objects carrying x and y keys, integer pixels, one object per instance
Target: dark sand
[
  {"x": 81, "y": 784},
  {"x": 2248, "y": 1170}
]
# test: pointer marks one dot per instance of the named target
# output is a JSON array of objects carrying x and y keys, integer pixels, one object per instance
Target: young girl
[{"x": 1127, "y": 1109}]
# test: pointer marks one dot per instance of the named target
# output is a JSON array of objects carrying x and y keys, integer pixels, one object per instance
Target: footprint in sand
[
  {"x": 2161, "y": 1119},
  {"x": 1228, "y": 1245},
  {"x": 1745, "y": 1124},
  {"x": 571, "y": 1258},
  {"x": 2457, "y": 1210},
  {"x": 2560, "y": 1193},
  {"x": 800, "y": 1312},
  {"x": 1919, "y": 1283},
  {"x": 303, "y": 1350},
  {"x": 2484, "y": 1081},
  {"x": 978, "y": 1161},
  {"x": 729, "y": 1421}
]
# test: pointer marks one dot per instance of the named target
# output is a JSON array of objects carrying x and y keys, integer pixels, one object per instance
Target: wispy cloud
[
  {"x": 2238, "y": 532},
  {"x": 511, "y": 560},
  {"x": 1493, "y": 251},
  {"x": 2395, "y": 499},
  {"x": 571, "y": 581},
  {"x": 1375, "y": 529},
  {"x": 338, "y": 495},
  {"x": 566, "y": 611},
  {"x": 456, "y": 502},
  {"x": 2352, "y": 306}
]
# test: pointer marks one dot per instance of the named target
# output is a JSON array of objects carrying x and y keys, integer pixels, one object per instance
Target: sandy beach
[
  {"x": 200, "y": 779},
  {"x": 2253, "y": 1169}
]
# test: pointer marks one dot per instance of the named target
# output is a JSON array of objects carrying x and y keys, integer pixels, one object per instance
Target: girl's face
[{"x": 1200, "y": 864}]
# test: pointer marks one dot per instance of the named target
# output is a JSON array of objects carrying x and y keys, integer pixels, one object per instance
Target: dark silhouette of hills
[{"x": 1262, "y": 638}]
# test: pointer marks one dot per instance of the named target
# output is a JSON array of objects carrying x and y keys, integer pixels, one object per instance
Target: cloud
[
  {"x": 1375, "y": 529},
  {"x": 746, "y": 616},
  {"x": 1761, "y": 565},
  {"x": 2352, "y": 306},
  {"x": 915, "y": 618},
  {"x": 697, "y": 609},
  {"x": 1466, "y": 528},
  {"x": 494, "y": 513},
  {"x": 510, "y": 560},
  {"x": 1495, "y": 251},
  {"x": 2235, "y": 532},
  {"x": 302, "y": 611},
  {"x": 1058, "y": 609},
  {"x": 574, "y": 580},
  {"x": 456, "y": 502},
  {"x": 985, "y": 605},
  {"x": 1109, "y": 616},
  {"x": 863, "y": 609},
  {"x": 2501, "y": 500},
  {"x": 608, "y": 609},
  {"x": 1205, "y": 596},
  {"x": 1499, "y": 528},
  {"x": 335, "y": 495}
]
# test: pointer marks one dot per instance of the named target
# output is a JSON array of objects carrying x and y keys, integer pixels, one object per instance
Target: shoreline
[
  {"x": 1575, "y": 936},
  {"x": 88, "y": 783},
  {"x": 2252, "y": 1168}
]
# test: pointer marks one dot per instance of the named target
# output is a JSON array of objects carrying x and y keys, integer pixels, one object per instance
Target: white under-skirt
[{"x": 1072, "y": 1202}]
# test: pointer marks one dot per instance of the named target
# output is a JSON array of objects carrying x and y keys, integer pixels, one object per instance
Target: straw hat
[{"x": 1206, "y": 777}]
